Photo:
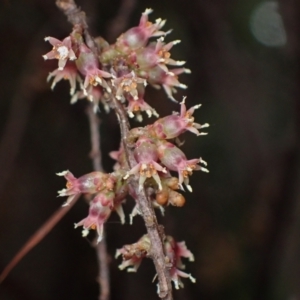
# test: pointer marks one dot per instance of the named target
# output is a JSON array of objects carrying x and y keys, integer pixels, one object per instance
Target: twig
[
  {"x": 37, "y": 237},
  {"x": 95, "y": 139},
  {"x": 101, "y": 248},
  {"x": 155, "y": 231},
  {"x": 77, "y": 17}
]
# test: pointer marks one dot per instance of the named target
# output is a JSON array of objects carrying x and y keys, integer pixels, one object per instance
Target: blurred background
[{"x": 242, "y": 222}]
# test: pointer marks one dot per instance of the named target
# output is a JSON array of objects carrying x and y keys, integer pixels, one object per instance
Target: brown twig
[
  {"x": 95, "y": 139},
  {"x": 77, "y": 17},
  {"x": 155, "y": 231},
  {"x": 101, "y": 248},
  {"x": 37, "y": 237}
]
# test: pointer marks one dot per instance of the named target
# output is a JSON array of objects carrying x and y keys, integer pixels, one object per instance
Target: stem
[
  {"x": 77, "y": 17},
  {"x": 101, "y": 248},
  {"x": 155, "y": 231},
  {"x": 37, "y": 237}
]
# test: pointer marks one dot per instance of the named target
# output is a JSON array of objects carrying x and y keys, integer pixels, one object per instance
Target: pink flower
[
  {"x": 90, "y": 183},
  {"x": 168, "y": 79},
  {"x": 100, "y": 210},
  {"x": 68, "y": 73},
  {"x": 146, "y": 156},
  {"x": 128, "y": 84},
  {"x": 137, "y": 37},
  {"x": 133, "y": 254},
  {"x": 88, "y": 65},
  {"x": 62, "y": 50},
  {"x": 175, "y": 160},
  {"x": 93, "y": 94},
  {"x": 157, "y": 54},
  {"x": 136, "y": 106},
  {"x": 94, "y": 77},
  {"x": 174, "y": 251},
  {"x": 172, "y": 126}
]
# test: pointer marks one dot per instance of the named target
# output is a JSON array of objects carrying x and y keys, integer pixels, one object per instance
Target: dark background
[{"x": 241, "y": 222}]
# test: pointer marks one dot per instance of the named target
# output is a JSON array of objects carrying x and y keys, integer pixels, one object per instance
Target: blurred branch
[
  {"x": 101, "y": 248},
  {"x": 155, "y": 231},
  {"x": 37, "y": 237}
]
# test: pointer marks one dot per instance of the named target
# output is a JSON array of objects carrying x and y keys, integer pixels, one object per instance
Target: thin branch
[
  {"x": 101, "y": 248},
  {"x": 95, "y": 153},
  {"x": 77, "y": 17},
  {"x": 37, "y": 237},
  {"x": 155, "y": 231}
]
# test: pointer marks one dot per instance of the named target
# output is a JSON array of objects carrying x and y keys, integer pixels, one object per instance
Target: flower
[
  {"x": 174, "y": 251},
  {"x": 175, "y": 160},
  {"x": 69, "y": 72},
  {"x": 172, "y": 126},
  {"x": 128, "y": 85},
  {"x": 146, "y": 156},
  {"x": 88, "y": 65},
  {"x": 93, "y": 94},
  {"x": 100, "y": 210},
  {"x": 90, "y": 183},
  {"x": 62, "y": 50},
  {"x": 168, "y": 79},
  {"x": 138, "y": 36},
  {"x": 157, "y": 54},
  {"x": 136, "y": 106},
  {"x": 133, "y": 254}
]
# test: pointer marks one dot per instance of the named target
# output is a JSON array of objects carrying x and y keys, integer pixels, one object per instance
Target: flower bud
[
  {"x": 88, "y": 65},
  {"x": 90, "y": 183},
  {"x": 162, "y": 197},
  {"x": 138, "y": 36},
  {"x": 176, "y": 199},
  {"x": 172, "y": 126},
  {"x": 175, "y": 160}
]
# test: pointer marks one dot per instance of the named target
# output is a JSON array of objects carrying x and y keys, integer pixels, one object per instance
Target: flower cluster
[
  {"x": 120, "y": 72},
  {"x": 108, "y": 193},
  {"x": 156, "y": 156},
  {"x": 133, "y": 255}
]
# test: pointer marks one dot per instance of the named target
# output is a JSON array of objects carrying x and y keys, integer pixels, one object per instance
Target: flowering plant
[{"x": 150, "y": 166}]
